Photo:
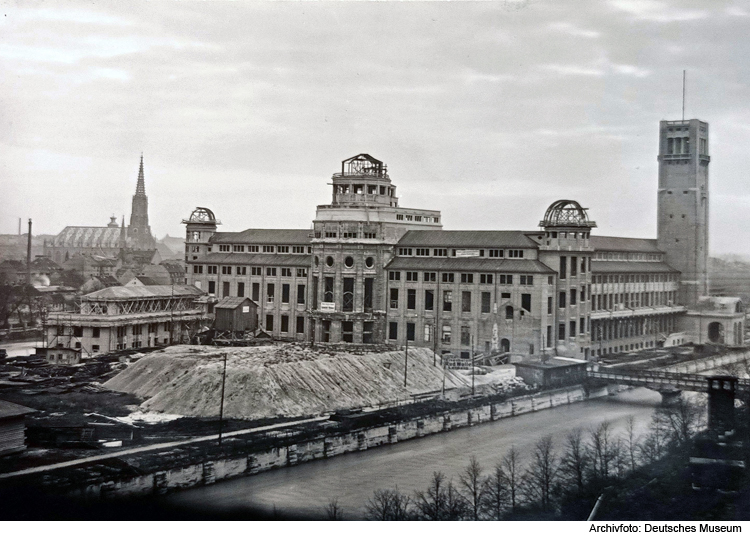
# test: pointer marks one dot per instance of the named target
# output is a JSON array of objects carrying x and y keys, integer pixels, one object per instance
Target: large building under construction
[{"x": 372, "y": 272}]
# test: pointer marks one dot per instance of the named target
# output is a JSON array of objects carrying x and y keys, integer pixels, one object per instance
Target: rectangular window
[
  {"x": 485, "y": 279},
  {"x": 394, "y": 275},
  {"x": 526, "y": 302},
  {"x": 496, "y": 253},
  {"x": 269, "y": 323},
  {"x": 242, "y": 270},
  {"x": 394, "y": 298},
  {"x": 270, "y": 289},
  {"x": 411, "y": 299},
  {"x": 561, "y": 302},
  {"x": 240, "y": 289},
  {"x": 197, "y": 269},
  {"x": 256, "y": 271},
  {"x": 367, "y": 332},
  {"x": 582, "y": 325},
  {"x": 224, "y": 247},
  {"x": 448, "y": 277},
  {"x": 465, "y": 302},
  {"x": 226, "y": 289},
  {"x": 583, "y": 264},
  {"x": 298, "y": 249},
  {"x": 423, "y": 252},
  {"x": 446, "y": 338},
  {"x": 226, "y": 269},
  {"x": 212, "y": 287},
  {"x": 506, "y": 280},
  {"x": 467, "y": 278},
  {"x": 486, "y": 298},
  {"x": 284, "y": 323},
  {"x": 368, "y": 293},
  {"x": 573, "y": 296},
  {"x": 95, "y": 333},
  {"x": 429, "y": 300},
  {"x": 283, "y": 249},
  {"x": 447, "y": 300},
  {"x": 300, "y": 294},
  {"x": 561, "y": 331},
  {"x": 347, "y": 331},
  {"x": 300, "y": 324},
  {"x": 440, "y": 252},
  {"x": 583, "y": 294},
  {"x": 270, "y": 271},
  {"x": 285, "y": 271},
  {"x": 572, "y": 328},
  {"x": 268, "y": 249},
  {"x": 410, "y": 329},
  {"x": 412, "y": 276},
  {"x": 427, "y": 336},
  {"x": 573, "y": 265},
  {"x": 256, "y": 291},
  {"x": 549, "y": 305},
  {"x": 465, "y": 336},
  {"x": 527, "y": 280},
  {"x": 348, "y": 303},
  {"x": 563, "y": 267},
  {"x": 301, "y": 273},
  {"x": 212, "y": 269},
  {"x": 328, "y": 289},
  {"x": 430, "y": 277},
  {"x": 393, "y": 330},
  {"x": 238, "y": 248},
  {"x": 285, "y": 294}
]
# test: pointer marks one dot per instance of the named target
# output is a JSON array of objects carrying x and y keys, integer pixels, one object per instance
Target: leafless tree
[
  {"x": 631, "y": 443},
  {"x": 652, "y": 447},
  {"x": 541, "y": 475},
  {"x": 601, "y": 448},
  {"x": 496, "y": 493},
  {"x": 575, "y": 461},
  {"x": 432, "y": 504},
  {"x": 333, "y": 510},
  {"x": 473, "y": 487},
  {"x": 510, "y": 467},
  {"x": 388, "y": 504},
  {"x": 457, "y": 507},
  {"x": 682, "y": 420}
]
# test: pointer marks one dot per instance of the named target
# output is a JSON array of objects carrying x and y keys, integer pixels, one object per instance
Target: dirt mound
[{"x": 276, "y": 381}]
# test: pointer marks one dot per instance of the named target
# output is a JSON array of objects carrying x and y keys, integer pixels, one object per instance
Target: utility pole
[
  {"x": 28, "y": 257},
  {"x": 406, "y": 357},
  {"x": 472, "y": 365},
  {"x": 221, "y": 408}
]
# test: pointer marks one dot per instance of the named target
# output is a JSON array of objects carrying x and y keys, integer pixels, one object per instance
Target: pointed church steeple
[{"x": 140, "y": 188}]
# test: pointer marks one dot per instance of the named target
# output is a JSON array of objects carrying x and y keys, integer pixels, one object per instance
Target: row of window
[
  {"x": 622, "y": 279},
  {"x": 428, "y": 303},
  {"x": 266, "y": 249},
  {"x": 575, "y": 235},
  {"x": 626, "y": 256},
  {"x": 444, "y": 252},
  {"x": 419, "y": 218},
  {"x": 270, "y": 294},
  {"x": 465, "y": 278},
  {"x": 284, "y": 324},
  {"x": 563, "y": 300},
  {"x": 632, "y": 300},
  {"x": 584, "y": 263},
  {"x": 286, "y": 272},
  {"x": 605, "y": 330}
]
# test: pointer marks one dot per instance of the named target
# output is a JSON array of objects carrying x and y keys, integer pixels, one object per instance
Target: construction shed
[
  {"x": 13, "y": 427},
  {"x": 553, "y": 371},
  {"x": 236, "y": 314}
]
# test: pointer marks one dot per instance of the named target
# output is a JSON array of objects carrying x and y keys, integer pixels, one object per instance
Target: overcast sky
[{"x": 486, "y": 111}]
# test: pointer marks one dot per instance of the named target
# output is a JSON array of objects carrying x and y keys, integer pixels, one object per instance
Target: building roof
[
  {"x": 147, "y": 281},
  {"x": 551, "y": 362},
  {"x": 233, "y": 302},
  {"x": 88, "y": 237},
  {"x": 473, "y": 264},
  {"x": 622, "y": 244},
  {"x": 271, "y": 260},
  {"x": 134, "y": 292},
  {"x": 45, "y": 263},
  {"x": 631, "y": 267},
  {"x": 469, "y": 239},
  {"x": 11, "y": 409},
  {"x": 264, "y": 236}
]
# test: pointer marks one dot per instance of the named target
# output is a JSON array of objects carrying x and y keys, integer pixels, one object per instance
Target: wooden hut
[
  {"x": 12, "y": 427},
  {"x": 235, "y": 317}
]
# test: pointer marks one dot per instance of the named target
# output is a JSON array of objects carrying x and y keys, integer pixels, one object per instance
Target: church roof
[{"x": 88, "y": 237}]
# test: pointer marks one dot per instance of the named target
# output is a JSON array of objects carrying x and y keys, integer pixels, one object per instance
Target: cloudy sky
[{"x": 487, "y": 111}]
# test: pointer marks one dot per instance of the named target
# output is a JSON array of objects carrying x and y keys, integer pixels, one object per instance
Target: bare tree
[
  {"x": 388, "y": 504},
  {"x": 496, "y": 493},
  {"x": 473, "y": 487},
  {"x": 652, "y": 448},
  {"x": 456, "y": 507},
  {"x": 631, "y": 443},
  {"x": 510, "y": 467},
  {"x": 541, "y": 475},
  {"x": 682, "y": 420},
  {"x": 575, "y": 461},
  {"x": 601, "y": 448},
  {"x": 333, "y": 510},
  {"x": 432, "y": 504}
]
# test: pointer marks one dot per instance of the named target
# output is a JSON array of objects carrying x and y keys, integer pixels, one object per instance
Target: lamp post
[{"x": 221, "y": 408}]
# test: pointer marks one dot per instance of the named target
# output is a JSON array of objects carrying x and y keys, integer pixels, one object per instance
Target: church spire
[{"x": 140, "y": 188}]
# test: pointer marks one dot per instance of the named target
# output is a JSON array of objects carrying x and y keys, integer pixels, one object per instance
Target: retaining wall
[{"x": 211, "y": 471}]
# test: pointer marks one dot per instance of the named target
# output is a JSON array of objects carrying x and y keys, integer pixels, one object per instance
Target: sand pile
[{"x": 278, "y": 380}]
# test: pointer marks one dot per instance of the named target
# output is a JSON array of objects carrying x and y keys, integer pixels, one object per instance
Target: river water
[{"x": 305, "y": 489}]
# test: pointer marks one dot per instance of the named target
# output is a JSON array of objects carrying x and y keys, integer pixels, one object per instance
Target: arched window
[{"x": 505, "y": 345}]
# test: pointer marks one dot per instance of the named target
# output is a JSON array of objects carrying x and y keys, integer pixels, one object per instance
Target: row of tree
[{"x": 579, "y": 466}]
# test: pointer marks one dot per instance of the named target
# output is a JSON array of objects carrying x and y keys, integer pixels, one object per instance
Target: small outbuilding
[
  {"x": 236, "y": 314},
  {"x": 556, "y": 371},
  {"x": 13, "y": 427}
]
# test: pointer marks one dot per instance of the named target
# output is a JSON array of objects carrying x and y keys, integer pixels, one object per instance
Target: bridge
[{"x": 660, "y": 380}]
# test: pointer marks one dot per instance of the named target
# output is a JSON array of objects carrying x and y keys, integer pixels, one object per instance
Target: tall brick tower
[
  {"x": 682, "y": 229},
  {"x": 139, "y": 232}
]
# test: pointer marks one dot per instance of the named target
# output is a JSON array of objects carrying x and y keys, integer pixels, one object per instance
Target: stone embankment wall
[
  {"x": 735, "y": 358},
  {"x": 209, "y": 472}
]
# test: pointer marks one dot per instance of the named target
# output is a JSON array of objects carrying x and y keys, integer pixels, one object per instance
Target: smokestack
[
  {"x": 28, "y": 257},
  {"x": 19, "y": 226}
]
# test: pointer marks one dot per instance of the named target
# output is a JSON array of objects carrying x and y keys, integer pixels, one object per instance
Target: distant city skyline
[{"x": 486, "y": 111}]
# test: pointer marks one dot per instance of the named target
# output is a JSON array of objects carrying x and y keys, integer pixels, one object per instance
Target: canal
[{"x": 305, "y": 489}]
